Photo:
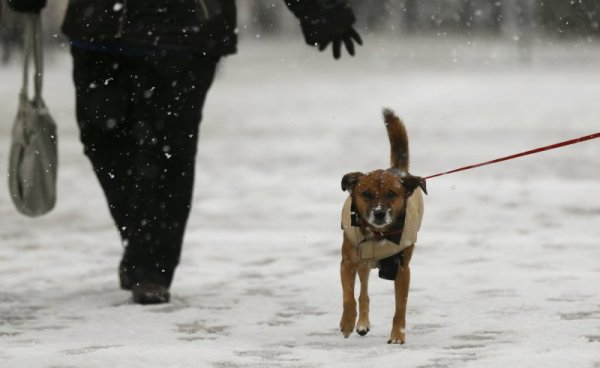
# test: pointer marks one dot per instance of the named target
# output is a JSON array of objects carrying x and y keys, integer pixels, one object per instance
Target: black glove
[
  {"x": 327, "y": 22},
  {"x": 27, "y": 6}
]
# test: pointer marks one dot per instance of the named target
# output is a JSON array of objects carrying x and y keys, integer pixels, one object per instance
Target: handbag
[{"x": 33, "y": 155}]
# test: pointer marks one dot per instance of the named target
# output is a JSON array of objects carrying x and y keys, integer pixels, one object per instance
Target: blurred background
[{"x": 521, "y": 21}]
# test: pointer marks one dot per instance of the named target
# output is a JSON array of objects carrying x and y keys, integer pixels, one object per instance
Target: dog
[{"x": 380, "y": 219}]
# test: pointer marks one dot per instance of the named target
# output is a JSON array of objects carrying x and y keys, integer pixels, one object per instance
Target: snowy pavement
[{"x": 506, "y": 272}]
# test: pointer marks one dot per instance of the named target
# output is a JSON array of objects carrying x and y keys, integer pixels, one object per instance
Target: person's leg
[
  {"x": 168, "y": 93},
  {"x": 102, "y": 104},
  {"x": 138, "y": 119}
]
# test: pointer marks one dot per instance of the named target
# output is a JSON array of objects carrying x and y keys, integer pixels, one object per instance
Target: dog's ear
[
  {"x": 350, "y": 180},
  {"x": 411, "y": 183}
]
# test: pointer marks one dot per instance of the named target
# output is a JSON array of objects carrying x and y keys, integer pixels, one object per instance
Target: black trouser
[{"x": 139, "y": 118}]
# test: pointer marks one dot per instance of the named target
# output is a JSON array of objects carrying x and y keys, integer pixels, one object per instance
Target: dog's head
[{"x": 380, "y": 196}]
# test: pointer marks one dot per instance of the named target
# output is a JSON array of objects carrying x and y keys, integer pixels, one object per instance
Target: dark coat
[{"x": 205, "y": 26}]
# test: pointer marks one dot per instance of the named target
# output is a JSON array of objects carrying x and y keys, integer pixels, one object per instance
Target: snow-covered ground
[{"x": 506, "y": 272}]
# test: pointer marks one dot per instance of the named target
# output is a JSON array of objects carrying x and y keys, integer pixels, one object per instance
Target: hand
[
  {"x": 327, "y": 22},
  {"x": 347, "y": 38}
]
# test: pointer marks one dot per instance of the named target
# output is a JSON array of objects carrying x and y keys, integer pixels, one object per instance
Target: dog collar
[{"x": 390, "y": 234}]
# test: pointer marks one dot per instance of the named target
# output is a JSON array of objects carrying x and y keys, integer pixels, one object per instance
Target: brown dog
[{"x": 380, "y": 220}]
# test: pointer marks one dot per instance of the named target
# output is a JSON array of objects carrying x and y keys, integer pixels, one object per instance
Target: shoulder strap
[{"x": 32, "y": 44}]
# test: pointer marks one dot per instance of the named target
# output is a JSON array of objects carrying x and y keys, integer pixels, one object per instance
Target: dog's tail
[{"x": 398, "y": 140}]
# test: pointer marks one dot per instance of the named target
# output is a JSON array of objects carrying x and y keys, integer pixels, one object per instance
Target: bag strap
[{"x": 33, "y": 45}]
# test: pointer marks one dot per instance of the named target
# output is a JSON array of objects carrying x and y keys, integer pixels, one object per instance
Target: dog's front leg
[
  {"x": 348, "y": 268},
  {"x": 401, "y": 285},
  {"x": 363, "y": 300}
]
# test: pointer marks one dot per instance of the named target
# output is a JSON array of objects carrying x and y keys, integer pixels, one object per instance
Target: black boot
[{"x": 149, "y": 293}]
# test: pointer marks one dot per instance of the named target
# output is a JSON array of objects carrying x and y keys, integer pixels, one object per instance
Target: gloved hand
[
  {"x": 27, "y": 6},
  {"x": 330, "y": 23}
]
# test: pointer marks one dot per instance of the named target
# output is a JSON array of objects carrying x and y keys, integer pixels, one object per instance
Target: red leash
[{"x": 530, "y": 152}]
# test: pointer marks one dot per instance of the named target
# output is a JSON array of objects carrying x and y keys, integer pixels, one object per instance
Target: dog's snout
[{"x": 379, "y": 214}]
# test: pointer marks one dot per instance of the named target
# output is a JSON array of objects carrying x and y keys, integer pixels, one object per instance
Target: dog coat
[{"x": 374, "y": 250}]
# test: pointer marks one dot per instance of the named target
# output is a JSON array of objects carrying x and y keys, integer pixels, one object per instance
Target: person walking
[{"x": 142, "y": 70}]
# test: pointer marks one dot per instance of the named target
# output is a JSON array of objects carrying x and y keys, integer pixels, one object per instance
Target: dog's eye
[
  {"x": 367, "y": 195},
  {"x": 391, "y": 194}
]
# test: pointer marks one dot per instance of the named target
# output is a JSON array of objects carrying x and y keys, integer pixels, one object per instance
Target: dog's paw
[
  {"x": 347, "y": 324},
  {"x": 362, "y": 331},
  {"x": 397, "y": 338},
  {"x": 396, "y": 341}
]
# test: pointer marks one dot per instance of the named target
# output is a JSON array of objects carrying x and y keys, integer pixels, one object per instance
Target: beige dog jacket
[{"x": 375, "y": 250}]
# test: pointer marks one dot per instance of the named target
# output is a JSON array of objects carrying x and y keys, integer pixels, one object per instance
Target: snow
[{"x": 505, "y": 274}]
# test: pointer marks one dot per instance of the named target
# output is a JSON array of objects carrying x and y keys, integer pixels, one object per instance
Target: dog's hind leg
[
  {"x": 348, "y": 268},
  {"x": 401, "y": 285},
  {"x": 363, "y": 300}
]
